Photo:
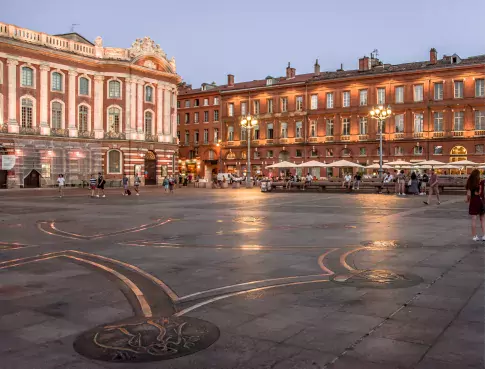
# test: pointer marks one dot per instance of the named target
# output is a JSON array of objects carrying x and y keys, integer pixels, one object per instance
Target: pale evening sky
[{"x": 255, "y": 38}]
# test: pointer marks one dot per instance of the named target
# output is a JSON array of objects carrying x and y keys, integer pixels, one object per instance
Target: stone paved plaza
[{"x": 238, "y": 279}]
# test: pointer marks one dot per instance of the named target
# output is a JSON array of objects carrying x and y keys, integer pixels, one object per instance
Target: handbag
[{"x": 410, "y": 182}]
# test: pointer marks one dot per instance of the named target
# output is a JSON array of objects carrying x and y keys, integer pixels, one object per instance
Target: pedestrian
[
  {"x": 413, "y": 184},
  {"x": 100, "y": 184},
  {"x": 137, "y": 185},
  {"x": 171, "y": 183},
  {"x": 396, "y": 182},
  {"x": 424, "y": 181},
  {"x": 357, "y": 178},
  {"x": 347, "y": 181},
  {"x": 401, "y": 181},
  {"x": 433, "y": 187},
  {"x": 475, "y": 196},
  {"x": 165, "y": 184},
  {"x": 92, "y": 184},
  {"x": 61, "y": 182},
  {"x": 125, "y": 185}
]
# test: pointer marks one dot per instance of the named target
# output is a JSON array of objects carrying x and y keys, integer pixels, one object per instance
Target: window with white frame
[
  {"x": 244, "y": 108},
  {"x": 196, "y": 117},
  {"x": 178, "y": 137},
  {"x": 363, "y": 126},
  {"x": 83, "y": 116},
  {"x": 230, "y": 133},
  {"x": 83, "y": 86},
  {"x": 269, "y": 106},
  {"x": 363, "y": 97},
  {"x": 216, "y": 100},
  {"x": 114, "y": 162},
  {"x": 27, "y": 77},
  {"x": 314, "y": 102},
  {"x": 206, "y": 116},
  {"x": 206, "y": 102},
  {"x": 329, "y": 152},
  {"x": 216, "y": 115},
  {"x": 230, "y": 109},
  {"x": 346, "y": 99},
  {"x": 329, "y": 127},
  {"x": 148, "y": 93},
  {"x": 480, "y": 87},
  {"x": 114, "y": 89},
  {"x": 56, "y": 83},
  {"x": 187, "y": 137},
  {"x": 398, "y": 151},
  {"x": 269, "y": 131},
  {"x": 148, "y": 122},
  {"x": 438, "y": 91},
  {"x": 284, "y": 130},
  {"x": 1, "y": 72},
  {"x": 206, "y": 136},
  {"x": 346, "y": 127},
  {"x": 314, "y": 153},
  {"x": 178, "y": 119},
  {"x": 196, "y": 136},
  {"x": 196, "y": 103},
  {"x": 399, "y": 95},
  {"x": 381, "y": 95},
  {"x": 438, "y": 150},
  {"x": 178, "y": 104},
  {"x": 256, "y": 133},
  {"x": 418, "y": 93},
  {"x": 479, "y": 149},
  {"x": 313, "y": 128},
  {"x": 27, "y": 111},
  {"x": 56, "y": 115},
  {"x": 418, "y": 150},
  {"x": 362, "y": 151},
  {"x": 284, "y": 104},
  {"x": 256, "y": 107},
  {"x": 269, "y": 154},
  {"x": 299, "y": 130},
  {"x": 418, "y": 123},
  {"x": 187, "y": 103},
  {"x": 399, "y": 123},
  {"x": 329, "y": 96},
  {"x": 458, "y": 121},
  {"x": 187, "y": 118},
  {"x": 479, "y": 120},
  {"x": 257, "y": 155},
  {"x": 458, "y": 88},
  {"x": 216, "y": 135},
  {"x": 114, "y": 119},
  {"x": 299, "y": 103},
  {"x": 438, "y": 121}
]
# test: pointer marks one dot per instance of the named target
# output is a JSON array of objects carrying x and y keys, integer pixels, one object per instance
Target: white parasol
[
  {"x": 429, "y": 163},
  {"x": 400, "y": 163},
  {"x": 283, "y": 165},
  {"x": 376, "y": 166},
  {"x": 344, "y": 164},
  {"x": 464, "y": 163},
  {"x": 312, "y": 164}
]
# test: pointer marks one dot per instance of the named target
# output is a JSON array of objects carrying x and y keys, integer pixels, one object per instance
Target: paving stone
[
  {"x": 347, "y": 362},
  {"x": 270, "y": 328},
  {"x": 424, "y": 316},
  {"x": 457, "y": 351},
  {"x": 438, "y": 364},
  {"x": 49, "y": 330},
  {"x": 20, "y": 319},
  {"x": 409, "y": 331},
  {"x": 350, "y": 322},
  {"x": 439, "y": 302}
]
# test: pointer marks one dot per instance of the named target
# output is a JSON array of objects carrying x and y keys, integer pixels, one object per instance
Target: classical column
[
  {"x": 139, "y": 107},
  {"x": 174, "y": 116},
  {"x": 127, "y": 114},
  {"x": 44, "y": 105},
  {"x": 133, "y": 106},
  {"x": 159, "y": 130},
  {"x": 13, "y": 125},
  {"x": 98, "y": 107},
  {"x": 166, "y": 113},
  {"x": 72, "y": 104}
]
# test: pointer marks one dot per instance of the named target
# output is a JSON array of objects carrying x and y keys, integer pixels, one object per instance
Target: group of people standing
[{"x": 415, "y": 182}]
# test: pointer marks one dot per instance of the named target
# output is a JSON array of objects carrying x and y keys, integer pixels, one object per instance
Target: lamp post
[
  {"x": 381, "y": 114},
  {"x": 248, "y": 123}
]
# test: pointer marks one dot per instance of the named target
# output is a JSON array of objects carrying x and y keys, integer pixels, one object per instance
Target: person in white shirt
[
  {"x": 347, "y": 181},
  {"x": 308, "y": 180},
  {"x": 61, "y": 182}
]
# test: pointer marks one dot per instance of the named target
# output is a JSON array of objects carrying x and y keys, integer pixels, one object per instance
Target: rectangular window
[
  {"x": 187, "y": 118},
  {"x": 230, "y": 134},
  {"x": 284, "y": 104},
  {"x": 418, "y": 93},
  {"x": 329, "y": 100},
  {"x": 257, "y": 155},
  {"x": 362, "y": 151},
  {"x": 438, "y": 150},
  {"x": 256, "y": 133},
  {"x": 216, "y": 115},
  {"x": 196, "y": 137},
  {"x": 178, "y": 119},
  {"x": 329, "y": 127},
  {"x": 206, "y": 116},
  {"x": 314, "y": 102},
  {"x": 206, "y": 102},
  {"x": 256, "y": 107},
  {"x": 438, "y": 122},
  {"x": 27, "y": 76},
  {"x": 458, "y": 89},
  {"x": 438, "y": 91},
  {"x": 479, "y": 120},
  {"x": 480, "y": 88},
  {"x": 299, "y": 130},
  {"x": 206, "y": 136},
  {"x": 243, "y": 134},
  {"x": 363, "y": 97},
  {"x": 216, "y": 100},
  {"x": 313, "y": 129},
  {"x": 418, "y": 123},
  {"x": 284, "y": 130},
  {"x": 399, "y": 92},
  {"x": 298, "y": 153},
  {"x": 329, "y": 152},
  {"x": 216, "y": 135},
  {"x": 269, "y": 154},
  {"x": 346, "y": 99},
  {"x": 114, "y": 89},
  {"x": 230, "y": 109},
  {"x": 381, "y": 95},
  {"x": 398, "y": 151},
  {"x": 196, "y": 117},
  {"x": 244, "y": 108},
  {"x": 270, "y": 134},
  {"x": 399, "y": 122},
  {"x": 479, "y": 149},
  {"x": 299, "y": 103},
  {"x": 196, "y": 102},
  {"x": 83, "y": 86},
  {"x": 187, "y": 137},
  {"x": 269, "y": 104},
  {"x": 187, "y": 103},
  {"x": 346, "y": 127},
  {"x": 178, "y": 136},
  {"x": 459, "y": 121},
  {"x": 363, "y": 128},
  {"x": 178, "y": 104}
]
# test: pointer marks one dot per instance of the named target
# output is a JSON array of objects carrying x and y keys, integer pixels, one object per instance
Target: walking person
[
  {"x": 92, "y": 184},
  {"x": 433, "y": 187},
  {"x": 475, "y": 197},
  {"x": 100, "y": 184},
  {"x": 396, "y": 182},
  {"x": 357, "y": 179},
  {"x": 401, "y": 181},
  {"x": 125, "y": 185},
  {"x": 137, "y": 185},
  {"x": 165, "y": 184},
  {"x": 424, "y": 181},
  {"x": 61, "y": 182},
  {"x": 413, "y": 184},
  {"x": 171, "y": 184}
]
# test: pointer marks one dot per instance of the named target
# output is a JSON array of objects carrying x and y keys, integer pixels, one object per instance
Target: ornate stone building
[
  {"x": 438, "y": 113},
  {"x": 75, "y": 107}
]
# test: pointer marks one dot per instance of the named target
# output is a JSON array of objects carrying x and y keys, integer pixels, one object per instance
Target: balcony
[
  {"x": 255, "y": 142},
  {"x": 345, "y": 138},
  {"x": 398, "y": 136},
  {"x": 479, "y": 132},
  {"x": 457, "y": 133},
  {"x": 59, "y": 132},
  {"x": 151, "y": 138},
  {"x": 29, "y": 130},
  {"x": 283, "y": 141},
  {"x": 269, "y": 141},
  {"x": 85, "y": 134},
  {"x": 298, "y": 140},
  {"x": 329, "y": 139},
  {"x": 231, "y": 143},
  {"x": 313, "y": 140},
  {"x": 438, "y": 134},
  {"x": 418, "y": 134},
  {"x": 114, "y": 136},
  {"x": 363, "y": 137}
]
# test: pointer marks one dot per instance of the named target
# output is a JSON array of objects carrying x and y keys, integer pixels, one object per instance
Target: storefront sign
[{"x": 7, "y": 161}]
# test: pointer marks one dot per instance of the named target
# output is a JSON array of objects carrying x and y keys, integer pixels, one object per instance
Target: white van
[{"x": 221, "y": 176}]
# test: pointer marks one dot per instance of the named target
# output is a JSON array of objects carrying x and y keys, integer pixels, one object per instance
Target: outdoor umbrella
[
  {"x": 282, "y": 165},
  {"x": 344, "y": 164},
  {"x": 447, "y": 166},
  {"x": 313, "y": 164},
  {"x": 430, "y": 163},
  {"x": 376, "y": 166},
  {"x": 464, "y": 163},
  {"x": 400, "y": 163},
  {"x": 481, "y": 166}
]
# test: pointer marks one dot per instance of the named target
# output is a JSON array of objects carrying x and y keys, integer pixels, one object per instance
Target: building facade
[
  {"x": 438, "y": 113},
  {"x": 75, "y": 107}
]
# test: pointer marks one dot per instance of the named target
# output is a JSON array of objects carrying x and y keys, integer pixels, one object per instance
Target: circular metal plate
[{"x": 377, "y": 278}]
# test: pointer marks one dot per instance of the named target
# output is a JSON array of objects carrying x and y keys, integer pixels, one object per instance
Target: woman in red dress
[{"x": 475, "y": 194}]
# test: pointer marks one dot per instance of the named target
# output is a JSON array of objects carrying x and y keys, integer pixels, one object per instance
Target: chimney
[
  {"x": 364, "y": 63},
  {"x": 316, "y": 67},
  {"x": 433, "y": 56},
  {"x": 230, "y": 80},
  {"x": 288, "y": 71}
]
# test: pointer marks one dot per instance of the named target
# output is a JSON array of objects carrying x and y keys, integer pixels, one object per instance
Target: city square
[{"x": 247, "y": 279}]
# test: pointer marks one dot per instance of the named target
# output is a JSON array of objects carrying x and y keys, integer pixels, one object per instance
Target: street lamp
[
  {"x": 248, "y": 123},
  {"x": 381, "y": 114}
]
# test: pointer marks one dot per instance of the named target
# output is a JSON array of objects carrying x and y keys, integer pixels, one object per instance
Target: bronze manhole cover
[
  {"x": 249, "y": 220},
  {"x": 377, "y": 278},
  {"x": 390, "y": 244},
  {"x": 139, "y": 339}
]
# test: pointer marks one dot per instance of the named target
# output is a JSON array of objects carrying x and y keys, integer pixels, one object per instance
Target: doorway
[
  {"x": 150, "y": 168},
  {"x": 3, "y": 179},
  {"x": 32, "y": 180}
]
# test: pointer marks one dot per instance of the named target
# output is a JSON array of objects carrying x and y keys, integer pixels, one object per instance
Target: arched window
[
  {"x": 114, "y": 89},
  {"x": 346, "y": 152},
  {"x": 231, "y": 156},
  {"x": 314, "y": 153},
  {"x": 56, "y": 115},
  {"x": 230, "y": 133},
  {"x": 148, "y": 93},
  {"x": 284, "y": 156},
  {"x": 27, "y": 113},
  {"x": 83, "y": 118},
  {"x": 418, "y": 150},
  {"x": 458, "y": 150},
  {"x": 148, "y": 122},
  {"x": 114, "y": 161},
  {"x": 83, "y": 86},
  {"x": 27, "y": 76},
  {"x": 243, "y": 155},
  {"x": 114, "y": 120},
  {"x": 398, "y": 151},
  {"x": 56, "y": 81}
]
